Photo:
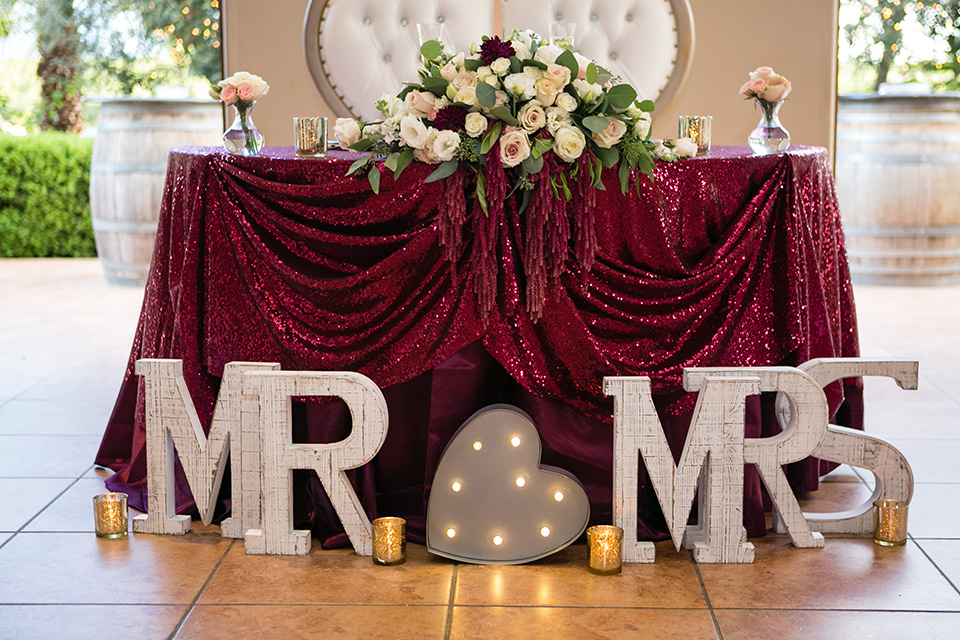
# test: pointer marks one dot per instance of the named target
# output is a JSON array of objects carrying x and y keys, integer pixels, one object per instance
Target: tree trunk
[{"x": 60, "y": 66}]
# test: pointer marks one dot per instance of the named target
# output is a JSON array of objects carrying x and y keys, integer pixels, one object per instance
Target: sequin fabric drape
[{"x": 730, "y": 259}]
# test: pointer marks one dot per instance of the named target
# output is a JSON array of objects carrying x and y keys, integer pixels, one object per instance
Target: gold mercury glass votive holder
[
  {"x": 389, "y": 541},
  {"x": 698, "y": 129},
  {"x": 310, "y": 137},
  {"x": 890, "y": 523},
  {"x": 605, "y": 546},
  {"x": 110, "y": 515}
]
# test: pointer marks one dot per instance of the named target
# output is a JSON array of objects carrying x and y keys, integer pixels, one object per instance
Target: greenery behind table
[{"x": 45, "y": 196}]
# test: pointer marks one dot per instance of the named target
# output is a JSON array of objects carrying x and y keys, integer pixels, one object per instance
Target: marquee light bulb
[
  {"x": 515, "y": 441},
  {"x": 451, "y": 532},
  {"x": 521, "y": 481},
  {"x": 498, "y": 540},
  {"x": 478, "y": 445},
  {"x": 455, "y": 486},
  {"x": 558, "y": 496},
  {"x": 545, "y": 531}
]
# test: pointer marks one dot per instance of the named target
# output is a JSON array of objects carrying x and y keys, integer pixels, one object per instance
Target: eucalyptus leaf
[
  {"x": 596, "y": 124},
  {"x": 357, "y": 165},
  {"x": 502, "y": 113},
  {"x": 431, "y": 49},
  {"x": 621, "y": 96},
  {"x": 530, "y": 62},
  {"x": 532, "y": 165},
  {"x": 437, "y": 86},
  {"x": 608, "y": 157},
  {"x": 591, "y": 73},
  {"x": 445, "y": 169},
  {"x": 646, "y": 105},
  {"x": 515, "y": 65},
  {"x": 471, "y": 65},
  {"x": 541, "y": 146},
  {"x": 568, "y": 60},
  {"x": 374, "y": 178},
  {"x": 486, "y": 95},
  {"x": 391, "y": 161}
]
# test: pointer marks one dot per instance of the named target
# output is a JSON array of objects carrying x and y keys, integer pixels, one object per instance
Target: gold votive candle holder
[
  {"x": 698, "y": 129},
  {"x": 110, "y": 515},
  {"x": 890, "y": 523},
  {"x": 605, "y": 548},
  {"x": 310, "y": 137},
  {"x": 389, "y": 541}
]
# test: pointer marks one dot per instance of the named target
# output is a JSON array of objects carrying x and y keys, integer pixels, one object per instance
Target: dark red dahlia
[
  {"x": 450, "y": 118},
  {"x": 494, "y": 49}
]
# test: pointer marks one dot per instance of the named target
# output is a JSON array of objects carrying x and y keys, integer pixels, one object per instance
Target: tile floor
[{"x": 64, "y": 340}]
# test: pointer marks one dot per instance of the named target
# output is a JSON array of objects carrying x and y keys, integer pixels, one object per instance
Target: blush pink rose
[
  {"x": 245, "y": 91},
  {"x": 229, "y": 94},
  {"x": 764, "y": 72},
  {"x": 753, "y": 88},
  {"x": 514, "y": 148}
]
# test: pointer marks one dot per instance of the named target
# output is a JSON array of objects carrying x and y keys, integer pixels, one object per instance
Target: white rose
[
  {"x": 521, "y": 50},
  {"x": 520, "y": 85},
  {"x": 777, "y": 89},
  {"x": 662, "y": 152},
  {"x": 446, "y": 145},
  {"x": 556, "y": 118},
  {"x": 346, "y": 131},
  {"x": 566, "y": 102},
  {"x": 611, "y": 134},
  {"x": 547, "y": 54},
  {"x": 533, "y": 72},
  {"x": 475, "y": 125},
  {"x": 568, "y": 143},
  {"x": 587, "y": 92},
  {"x": 467, "y": 95},
  {"x": 485, "y": 74},
  {"x": 547, "y": 90},
  {"x": 685, "y": 148},
  {"x": 532, "y": 117},
  {"x": 642, "y": 127},
  {"x": 457, "y": 60},
  {"x": 413, "y": 132},
  {"x": 514, "y": 147},
  {"x": 448, "y": 72},
  {"x": 500, "y": 66},
  {"x": 426, "y": 154}
]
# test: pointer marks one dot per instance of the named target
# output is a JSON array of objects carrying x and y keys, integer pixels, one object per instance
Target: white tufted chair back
[
  {"x": 648, "y": 43},
  {"x": 356, "y": 50}
]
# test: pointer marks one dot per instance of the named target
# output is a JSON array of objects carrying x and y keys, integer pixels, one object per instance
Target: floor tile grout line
[
  {"x": 706, "y": 597},
  {"x": 934, "y": 563},
  {"x": 45, "y": 507},
  {"x": 448, "y": 623},
  {"x": 203, "y": 587}
]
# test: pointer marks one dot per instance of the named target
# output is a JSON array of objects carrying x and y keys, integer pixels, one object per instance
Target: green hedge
[{"x": 45, "y": 196}]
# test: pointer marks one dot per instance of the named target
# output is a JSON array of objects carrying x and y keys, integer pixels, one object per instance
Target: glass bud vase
[
  {"x": 243, "y": 138},
  {"x": 769, "y": 137}
]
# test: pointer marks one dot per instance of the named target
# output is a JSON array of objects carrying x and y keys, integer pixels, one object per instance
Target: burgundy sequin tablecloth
[{"x": 731, "y": 259}]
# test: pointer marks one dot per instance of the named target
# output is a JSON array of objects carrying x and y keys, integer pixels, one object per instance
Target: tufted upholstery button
[
  {"x": 613, "y": 55},
  {"x": 404, "y": 22},
  {"x": 440, "y": 19},
  {"x": 367, "y": 21},
  {"x": 559, "y": 17},
  {"x": 629, "y": 17},
  {"x": 593, "y": 17},
  {"x": 387, "y": 58}
]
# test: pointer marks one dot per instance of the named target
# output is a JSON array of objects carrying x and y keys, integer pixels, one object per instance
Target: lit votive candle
[
  {"x": 389, "y": 541},
  {"x": 605, "y": 547},
  {"x": 310, "y": 137},
  {"x": 698, "y": 129},
  {"x": 890, "y": 523},
  {"x": 110, "y": 515}
]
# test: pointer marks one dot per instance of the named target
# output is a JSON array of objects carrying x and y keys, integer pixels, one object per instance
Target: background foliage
[{"x": 44, "y": 196}]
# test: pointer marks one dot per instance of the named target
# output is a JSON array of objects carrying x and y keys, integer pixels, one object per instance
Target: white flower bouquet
[{"x": 519, "y": 102}]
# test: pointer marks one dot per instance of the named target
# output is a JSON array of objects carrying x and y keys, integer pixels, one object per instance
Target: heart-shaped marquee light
[{"x": 492, "y": 502}]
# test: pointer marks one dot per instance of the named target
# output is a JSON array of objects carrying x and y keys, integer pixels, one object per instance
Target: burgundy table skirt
[{"x": 726, "y": 260}]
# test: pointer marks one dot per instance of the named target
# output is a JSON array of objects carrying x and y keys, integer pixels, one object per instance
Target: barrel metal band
[
  {"x": 118, "y": 265},
  {"x": 150, "y": 125},
  {"x": 897, "y": 117},
  {"x": 898, "y": 158},
  {"x": 869, "y": 136},
  {"x": 857, "y": 252},
  {"x": 874, "y": 231}
]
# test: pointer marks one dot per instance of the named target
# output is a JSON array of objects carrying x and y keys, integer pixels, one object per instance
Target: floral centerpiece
[
  {"x": 241, "y": 91},
  {"x": 537, "y": 115},
  {"x": 769, "y": 89}
]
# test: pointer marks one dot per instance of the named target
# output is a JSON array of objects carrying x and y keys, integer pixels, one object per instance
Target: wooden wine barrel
[
  {"x": 898, "y": 168},
  {"x": 127, "y": 173}
]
